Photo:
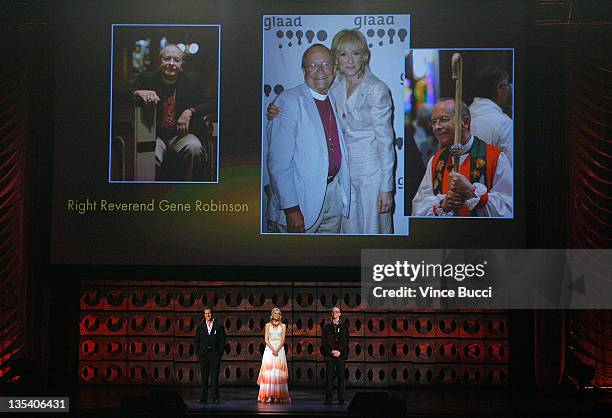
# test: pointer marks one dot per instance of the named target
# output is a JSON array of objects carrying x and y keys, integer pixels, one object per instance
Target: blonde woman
[
  {"x": 273, "y": 374},
  {"x": 365, "y": 108},
  {"x": 365, "y": 111}
]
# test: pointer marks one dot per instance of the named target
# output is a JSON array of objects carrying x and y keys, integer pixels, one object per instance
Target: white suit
[
  {"x": 368, "y": 131},
  {"x": 298, "y": 159}
]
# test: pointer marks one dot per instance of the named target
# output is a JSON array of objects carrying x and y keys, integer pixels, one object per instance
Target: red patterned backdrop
[{"x": 143, "y": 334}]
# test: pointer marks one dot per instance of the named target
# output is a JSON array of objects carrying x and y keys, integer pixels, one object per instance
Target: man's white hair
[{"x": 163, "y": 50}]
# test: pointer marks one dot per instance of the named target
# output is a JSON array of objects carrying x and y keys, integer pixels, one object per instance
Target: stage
[{"x": 241, "y": 401}]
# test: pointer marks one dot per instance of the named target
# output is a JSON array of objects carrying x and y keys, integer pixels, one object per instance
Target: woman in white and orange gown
[{"x": 274, "y": 374}]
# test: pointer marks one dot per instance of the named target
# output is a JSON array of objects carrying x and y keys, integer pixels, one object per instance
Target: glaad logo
[
  {"x": 373, "y": 21},
  {"x": 282, "y": 22},
  {"x": 412, "y": 272}
]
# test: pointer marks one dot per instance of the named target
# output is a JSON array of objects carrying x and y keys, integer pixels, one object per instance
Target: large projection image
[{"x": 181, "y": 142}]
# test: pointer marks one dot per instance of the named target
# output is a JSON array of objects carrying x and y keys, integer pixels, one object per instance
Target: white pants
[
  {"x": 329, "y": 219},
  {"x": 364, "y": 217}
]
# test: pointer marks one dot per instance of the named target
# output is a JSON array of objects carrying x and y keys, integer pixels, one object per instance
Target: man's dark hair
[
  {"x": 209, "y": 308},
  {"x": 487, "y": 79},
  {"x": 308, "y": 50}
]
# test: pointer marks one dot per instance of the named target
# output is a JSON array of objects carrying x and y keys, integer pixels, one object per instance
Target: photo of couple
[{"x": 329, "y": 163}]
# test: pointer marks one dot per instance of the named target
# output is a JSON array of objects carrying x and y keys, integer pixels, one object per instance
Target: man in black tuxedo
[
  {"x": 334, "y": 347},
  {"x": 209, "y": 346}
]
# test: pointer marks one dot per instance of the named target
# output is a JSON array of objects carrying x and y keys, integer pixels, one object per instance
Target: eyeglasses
[
  {"x": 313, "y": 67},
  {"x": 442, "y": 119}
]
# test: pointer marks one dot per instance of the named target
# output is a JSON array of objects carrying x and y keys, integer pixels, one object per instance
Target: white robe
[
  {"x": 499, "y": 203},
  {"x": 493, "y": 126}
]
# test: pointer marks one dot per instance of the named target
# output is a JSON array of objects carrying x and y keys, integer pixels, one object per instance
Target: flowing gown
[{"x": 273, "y": 375}]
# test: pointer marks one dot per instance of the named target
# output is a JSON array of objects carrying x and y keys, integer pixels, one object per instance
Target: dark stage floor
[{"x": 106, "y": 402}]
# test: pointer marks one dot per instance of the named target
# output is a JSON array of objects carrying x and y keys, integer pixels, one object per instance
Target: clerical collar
[
  {"x": 468, "y": 146},
  {"x": 318, "y": 96},
  {"x": 336, "y": 323}
]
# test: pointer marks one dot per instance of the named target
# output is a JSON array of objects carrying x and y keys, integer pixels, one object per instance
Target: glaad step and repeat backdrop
[{"x": 246, "y": 134}]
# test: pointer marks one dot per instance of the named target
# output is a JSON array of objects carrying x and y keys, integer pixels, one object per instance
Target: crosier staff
[{"x": 457, "y": 73}]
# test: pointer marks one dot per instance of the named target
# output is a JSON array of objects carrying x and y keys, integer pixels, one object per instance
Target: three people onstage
[{"x": 273, "y": 376}]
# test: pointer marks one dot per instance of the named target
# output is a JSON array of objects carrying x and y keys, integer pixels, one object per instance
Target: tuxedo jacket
[
  {"x": 214, "y": 342},
  {"x": 335, "y": 339}
]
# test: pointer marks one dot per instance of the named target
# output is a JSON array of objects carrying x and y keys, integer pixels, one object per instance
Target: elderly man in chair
[{"x": 178, "y": 99}]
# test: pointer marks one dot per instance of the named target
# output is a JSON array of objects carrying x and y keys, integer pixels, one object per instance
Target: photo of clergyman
[
  {"x": 480, "y": 184},
  {"x": 332, "y": 99},
  {"x": 165, "y": 102}
]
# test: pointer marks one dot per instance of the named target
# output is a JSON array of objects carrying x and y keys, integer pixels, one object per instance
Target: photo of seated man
[{"x": 164, "y": 117}]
